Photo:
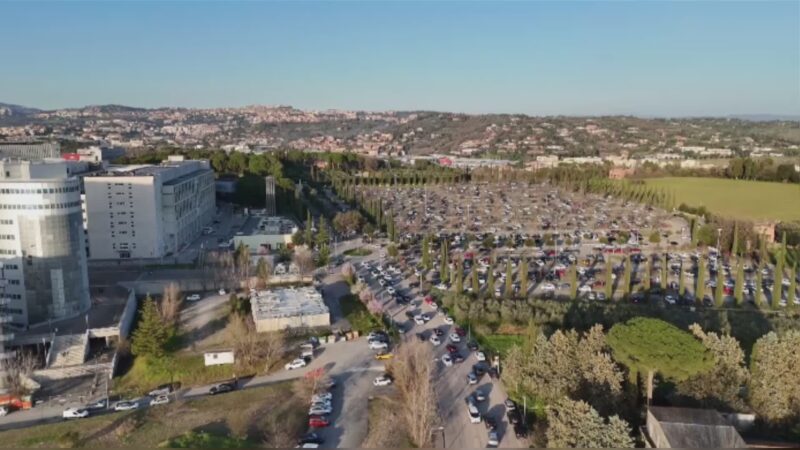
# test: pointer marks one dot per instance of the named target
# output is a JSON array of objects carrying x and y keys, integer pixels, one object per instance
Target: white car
[
  {"x": 383, "y": 380},
  {"x": 390, "y": 290},
  {"x": 159, "y": 400},
  {"x": 320, "y": 409},
  {"x": 3, "y": 411},
  {"x": 480, "y": 356},
  {"x": 441, "y": 287},
  {"x": 449, "y": 320},
  {"x": 75, "y": 413},
  {"x": 126, "y": 405},
  {"x": 435, "y": 340},
  {"x": 474, "y": 414},
  {"x": 455, "y": 338},
  {"x": 377, "y": 345},
  {"x": 548, "y": 287},
  {"x": 193, "y": 298},
  {"x": 382, "y": 282},
  {"x": 419, "y": 320},
  {"x": 322, "y": 397},
  {"x": 447, "y": 360},
  {"x": 222, "y": 292},
  {"x": 296, "y": 364}
]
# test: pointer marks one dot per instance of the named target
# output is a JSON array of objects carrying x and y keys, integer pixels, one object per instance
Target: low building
[
  {"x": 689, "y": 428},
  {"x": 279, "y": 309},
  {"x": 618, "y": 173},
  {"x": 765, "y": 230},
  {"x": 218, "y": 357},
  {"x": 262, "y": 233}
]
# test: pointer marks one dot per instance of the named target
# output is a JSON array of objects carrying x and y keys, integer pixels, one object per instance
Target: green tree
[
  {"x": 459, "y": 278},
  {"x": 323, "y": 237},
  {"x": 759, "y": 285},
  {"x": 735, "y": 239},
  {"x": 263, "y": 270},
  {"x": 650, "y": 346},
  {"x": 655, "y": 237},
  {"x": 523, "y": 277},
  {"x": 777, "y": 287},
  {"x": 308, "y": 230},
  {"x": 426, "y": 253},
  {"x": 694, "y": 231},
  {"x": 719, "y": 290},
  {"x": 151, "y": 335},
  {"x": 573, "y": 281},
  {"x": 738, "y": 289},
  {"x": 626, "y": 277},
  {"x": 575, "y": 424},
  {"x": 722, "y": 386},
  {"x": 490, "y": 281},
  {"x": 700, "y": 286},
  {"x": 445, "y": 259},
  {"x": 476, "y": 287},
  {"x": 609, "y": 279},
  {"x": 790, "y": 297},
  {"x": 646, "y": 277},
  {"x": 391, "y": 250},
  {"x": 509, "y": 291},
  {"x": 775, "y": 381}
]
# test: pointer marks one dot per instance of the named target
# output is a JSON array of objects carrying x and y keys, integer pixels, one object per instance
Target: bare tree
[
  {"x": 171, "y": 303},
  {"x": 413, "y": 368},
  {"x": 263, "y": 271},
  {"x": 252, "y": 348},
  {"x": 17, "y": 371},
  {"x": 348, "y": 272},
  {"x": 304, "y": 260},
  {"x": 243, "y": 262}
]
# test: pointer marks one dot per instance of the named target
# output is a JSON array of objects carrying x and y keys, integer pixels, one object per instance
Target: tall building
[
  {"x": 44, "y": 275},
  {"x": 269, "y": 207},
  {"x": 148, "y": 211},
  {"x": 31, "y": 151}
]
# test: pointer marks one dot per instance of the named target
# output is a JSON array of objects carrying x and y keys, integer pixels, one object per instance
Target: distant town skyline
[{"x": 535, "y": 58}]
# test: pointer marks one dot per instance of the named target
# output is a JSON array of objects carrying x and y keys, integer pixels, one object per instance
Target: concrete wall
[{"x": 281, "y": 323}]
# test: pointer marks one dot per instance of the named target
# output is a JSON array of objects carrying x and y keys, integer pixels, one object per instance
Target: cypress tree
[
  {"x": 573, "y": 281},
  {"x": 609, "y": 281},
  {"x": 738, "y": 290},
  {"x": 523, "y": 277},
  {"x": 735, "y": 242},
  {"x": 151, "y": 335},
  {"x": 700, "y": 286},
  {"x": 759, "y": 282},
  {"x": 509, "y": 282},
  {"x": 719, "y": 291},
  {"x": 777, "y": 287},
  {"x": 626, "y": 278},
  {"x": 476, "y": 286},
  {"x": 459, "y": 278},
  {"x": 490, "y": 282},
  {"x": 792, "y": 288}
]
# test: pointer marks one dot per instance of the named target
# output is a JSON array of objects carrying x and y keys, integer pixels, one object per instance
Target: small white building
[
  {"x": 279, "y": 309},
  {"x": 219, "y": 357}
]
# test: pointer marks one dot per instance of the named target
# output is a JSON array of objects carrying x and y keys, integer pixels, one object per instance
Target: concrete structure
[
  {"x": 95, "y": 154},
  {"x": 31, "y": 151},
  {"x": 279, "y": 309},
  {"x": 218, "y": 357},
  {"x": 41, "y": 243},
  {"x": 148, "y": 211},
  {"x": 689, "y": 428},
  {"x": 261, "y": 233},
  {"x": 269, "y": 186}
]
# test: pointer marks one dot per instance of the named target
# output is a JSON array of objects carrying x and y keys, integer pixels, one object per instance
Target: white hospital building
[{"x": 148, "y": 211}]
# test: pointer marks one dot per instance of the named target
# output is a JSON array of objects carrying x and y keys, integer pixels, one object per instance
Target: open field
[
  {"x": 270, "y": 415},
  {"x": 753, "y": 200}
]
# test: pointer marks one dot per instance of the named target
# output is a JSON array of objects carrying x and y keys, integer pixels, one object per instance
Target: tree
[
  {"x": 413, "y": 368},
  {"x": 445, "y": 257},
  {"x": 722, "y": 386},
  {"x": 171, "y": 303},
  {"x": 348, "y": 223},
  {"x": 775, "y": 380},
  {"x": 573, "y": 281},
  {"x": 777, "y": 287},
  {"x": 759, "y": 285},
  {"x": 304, "y": 260},
  {"x": 509, "y": 291},
  {"x": 459, "y": 278},
  {"x": 649, "y": 346},
  {"x": 308, "y": 230},
  {"x": 348, "y": 273},
  {"x": 322, "y": 238},
  {"x": 790, "y": 297},
  {"x": 575, "y": 424},
  {"x": 243, "y": 261},
  {"x": 626, "y": 277},
  {"x": 738, "y": 288},
  {"x": 565, "y": 364},
  {"x": 609, "y": 279},
  {"x": 426, "y": 253},
  {"x": 655, "y": 237},
  {"x": 735, "y": 239},
  {"x": 391, "y": 250},
  {"x": 700, "y": 286},
  {"x": 476, "y": 287},
  {"x": 490, "y": 281},
  {"x": 263, "y": 271},
  {"x": 16, "y": 370},
  {"x": 646, "y": 277},
  {"x": 719, "y": 292},
  {"x": 151, "y": 335},
  {"x": 523, "y": 277}
]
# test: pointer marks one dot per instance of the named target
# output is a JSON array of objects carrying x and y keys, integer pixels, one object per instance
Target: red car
[
  {"x": 428, "y": 300},
  {"x": 451, "y": 348},
  {"x": 318, "y": 421},
  {"x": 460, "y": 331}
]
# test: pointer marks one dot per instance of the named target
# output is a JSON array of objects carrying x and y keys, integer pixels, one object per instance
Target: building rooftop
[
  {"x": 288, "y": 302},
  {"x": 696, "y": 428},
  {"x": 259, "y": 224}
]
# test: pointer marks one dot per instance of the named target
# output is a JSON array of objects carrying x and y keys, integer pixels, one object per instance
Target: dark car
[
  {"x": 510, "y": 405},
  {"x": 310, "y": 438},
  {"x": 438, "y": 332},
  {"x": 520, "y": 432},
  {"x": 513, "y": 417},
  {"x": 410, "y": 314},
  {"x": 451, "y": 348},
  {"x": 493, "y": 373},
  {"x": 472, "y": 346},
  {"x": 479, "y": 370},
  {"x": 457, "y": 358},
  {"x": 460, "y": 331},
  {"x": 490, "y": 423},
  {"x": 221, "y": 388}
]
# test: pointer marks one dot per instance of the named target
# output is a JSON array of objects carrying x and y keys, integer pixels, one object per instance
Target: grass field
[
  {"x": 752, "y": 200},
  {"x": 272, "y": 415}
]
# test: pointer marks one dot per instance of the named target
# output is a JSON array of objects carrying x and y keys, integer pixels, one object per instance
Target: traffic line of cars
[{"x": 158, "y": 396}]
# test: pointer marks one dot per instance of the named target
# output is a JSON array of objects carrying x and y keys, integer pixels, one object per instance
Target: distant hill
[
  {"x": 7, "y": 109},
  {"x": 767, "y": 117}
]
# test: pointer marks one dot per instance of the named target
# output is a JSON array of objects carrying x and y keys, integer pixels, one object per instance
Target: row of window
[
  {"x": 11, "y": 296},
  {"x": 6, "y": 222},
  {"x": 61, "y": 190},
  {"x": 7, "y": 237},
  {"x": 4, "y": 251},
  {"x": 10, "y": 267},
  {"x": 50, "y": 206}
]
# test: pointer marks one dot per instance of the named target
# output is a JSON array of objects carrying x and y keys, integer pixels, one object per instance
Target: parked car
[
  {"x": 98, "y": 404},
  {"x": 164, "y": 389},
  {"x": 193, "y": 298},
  {"x": 319, "y": 409},
  {"x": 384, "y": 355},
  {"x": 295, "y": 364},
  {"x": 382, "y": 380},
  {"x": 75, "y": 413},
  {"x": 474, "y": 414},
  {"x": 310, "y": 438},
  {"x": 378, "y": 345},
  {"x": 318, "y": 421},
  {"x": 454, "y": 337},
  {"x": 472, "y": 378},
  {"x": 159, "y": 400},
  {"x": 221, "y": 388},
  {"x": 480, "y": 356},
  {"x": 447, "y": 360},
  {"x": 126, "y": 405},
  {"x": 494, "y": 439},
  {"x": 4, "y": 411}
]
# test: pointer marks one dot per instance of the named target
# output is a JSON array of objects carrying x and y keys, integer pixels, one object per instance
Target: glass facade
[{"x": 54, "y": 266}]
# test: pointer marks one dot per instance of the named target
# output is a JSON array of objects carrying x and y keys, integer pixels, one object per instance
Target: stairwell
[{"x": 68, "y": 350}]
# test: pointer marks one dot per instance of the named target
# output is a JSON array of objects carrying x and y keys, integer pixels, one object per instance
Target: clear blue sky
[{"x": 638, "y": 57}]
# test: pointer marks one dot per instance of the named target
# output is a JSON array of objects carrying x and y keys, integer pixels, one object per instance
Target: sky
[{"x": 652, "y": 58}]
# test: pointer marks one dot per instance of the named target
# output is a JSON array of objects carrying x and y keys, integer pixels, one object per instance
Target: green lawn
[
  {"x": 752, "y": 200},
  {"x": 500, "y": 343},
  {"x": 356, "y": 313},
  {"x": 189, "y": 370}
]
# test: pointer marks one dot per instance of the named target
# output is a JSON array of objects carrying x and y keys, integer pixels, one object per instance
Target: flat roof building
[
  {"x": 279, "y": 309},
  {"x": 148, "y": 211},
  {"x": 669, "y": 427},
  {"x": 261, "y": 233},
  {"x": 31, "y": 151},
  {"x": 43, "y": 271}
]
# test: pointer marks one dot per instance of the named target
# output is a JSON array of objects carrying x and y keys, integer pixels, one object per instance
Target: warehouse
[{"x": 279, "y": 309}]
